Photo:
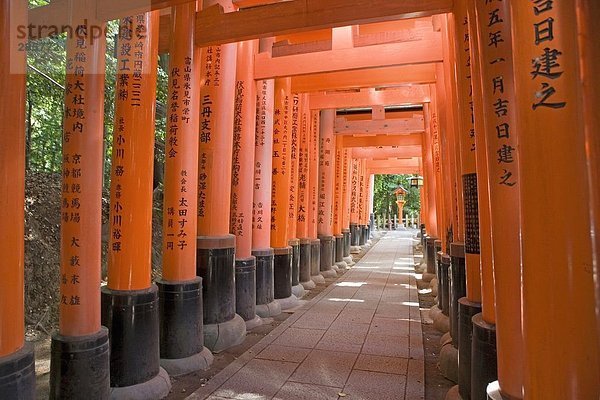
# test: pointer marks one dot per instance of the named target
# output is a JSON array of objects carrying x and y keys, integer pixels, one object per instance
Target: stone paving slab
[{"x": 359, "y": 339}]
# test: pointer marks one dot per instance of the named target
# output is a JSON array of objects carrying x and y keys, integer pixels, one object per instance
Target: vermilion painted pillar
[
  {"x": 346, "y": 195},
  {"x": 80, "y": 334},
  {"x": 316, "y": 275},
  {"x": 303, "y": 196},
  {"x": 362, "y": 201},
  {"x": 293, "y": 240},
  {"x": 557, "y": 273},
  {"x": 130, "y": 300},
  {"x": 223, "y": 328},
  {"x": 431, "y": 218},
  {"x": 282, "y": 137},
  {"x": 483, "y": 364},
  {"x": 587, "y": 15},
  {"x": 180, "y": 291},
  {"x": 338, "y": 198},
  {"x": 326, "y": 189},
  {"x": 17, "y": 369},
  {"x": 471, "y": 304},
  {"x": 266, "y": 306},
  {"x": 242, "y": 183},
  {"x": 354, "y": 207},
  {"x": 497, "y": 84}
]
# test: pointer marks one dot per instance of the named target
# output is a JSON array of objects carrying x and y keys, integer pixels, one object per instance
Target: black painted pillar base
[
  {"x": 430, "y": 251},
  {"x": 132, "y": 321},
  {"x": 444, "y": 284},
  {"x": 181, "y": 329},
  {"x": 17, "y": 374},
  {"x": 327, "y": 257},
  {"x": 484, "y": 364},
  {"x": 79, "y": 366},
  {"x": 457, "y": 287},
  {"x": 215, "y": 264},
  {"x": 297, "y": 288},
  {"x": 305, "y": 264},
  {"x": 282, "y": 273},
  {"x": 438, "y": 274},
  {"x": 423, "y": 235},
  {"x": 346, "y": 254},
  {"x": 355, "y": 234},
  {"x": 245, "y": 291},
  {"x": 315, "y": 262},
  {"x": 362, "y": 236},
  {"x": 466, "y": 311},
  {"x": 266, "y": 306},
  {"x": 339, "y": 252}
]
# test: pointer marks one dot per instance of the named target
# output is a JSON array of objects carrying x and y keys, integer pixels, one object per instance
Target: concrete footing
[
  {"x": 298, "y": 291},
  {"x": 318, "y": 279},
  {"x": 494, "y": 393},
  {"x": 268, "y": 310},
  {"x": 253, "y": 323},
  {"x": 183, "y": 366},
  {"x": 219, "y": 337},
  {"x": 449, "y": 361},
  {"x": 288, "y": 302},
  {"x": 355, "y": 249},
  {"x": 440, "y": 321},
  {"x": 349, "y": 261},
  {"x": 156, "y": 388},
  {"x": 309, "y": 285},
  {"x": 328, "y": 274},
  {"x": 342, "y": 266},
  {"x": 427, "y": 277}
]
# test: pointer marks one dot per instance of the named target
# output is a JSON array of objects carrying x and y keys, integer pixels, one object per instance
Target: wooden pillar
[
  {"x": 470, "y": 305},
  {"x": 588, "y": 13},
  {"x": 316, "y": 275},
  {"x": 180, "y": 290},
  {"x": 338, "y": 197},
  {"x": 282, "y": 136},
  {"x": 431, "y": 223},
  {"x": 346, "y": 195},
  {"x": 293, "y": 240},
  {"x": 354, "y": 206},
  {"x": 129, "y": 287},
  {"x": 266, "y": 306},
  {"x": 326, "y": 192},
  {"x": 556, "y": 246},
  {"x": 16, "y": 357},
  {"x": 215, "y": 263},
  {"x": 242, "y": 185},
  {"x": 303, "y": 196},
  {"x": 499, "y": 117}
]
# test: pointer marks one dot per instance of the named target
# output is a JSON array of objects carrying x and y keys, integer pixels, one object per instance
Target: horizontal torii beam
[
  {"x": 425, "y": 51},
  {"x": 370, "y": 97},
  {"x": 380, "y": 126},
  {"x": 387, "y": 152},
  {"x": 213, "y": 26},
  {"x": 394, "y": 171},
  {"x": 414, "y": 139},
  {"x": 394, "y": 162},
  {"x": 375, "y": 77}
]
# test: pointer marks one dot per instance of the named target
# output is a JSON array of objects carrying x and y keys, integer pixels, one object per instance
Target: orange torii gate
[{"x": 486, "y": 106}]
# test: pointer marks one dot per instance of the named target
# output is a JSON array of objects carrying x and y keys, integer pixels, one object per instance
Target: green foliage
[
  {"x": 385, "y": 200},
  {"x": 45, "y": 100}
]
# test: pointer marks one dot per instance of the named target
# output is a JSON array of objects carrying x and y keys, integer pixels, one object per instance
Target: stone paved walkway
[{"x": 359, "y": 339}]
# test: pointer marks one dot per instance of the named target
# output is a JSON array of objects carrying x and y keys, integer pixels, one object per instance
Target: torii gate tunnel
[{"x": 279, "y": 115}]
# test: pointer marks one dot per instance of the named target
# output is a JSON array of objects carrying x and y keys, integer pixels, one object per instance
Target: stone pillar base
[
  {"x": 154, "y": 389},
  {"x": 494, "y": 393},
  {"x": 183, "y": 366},
  {"x": 318, "y": 279},
  {"x": 449, "y": 361},
  {"x": 349, "y": 261},
  {"x": 17, "y": 375},
  {"x": 253, "y": 323},
  {"x": 221, "y": 336},
  {"x": 288, "y": 302},
  {"x": 298, "y": 291},
  {"x": 268, "y": 310},
  {"x": 309, "y": 285}
]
